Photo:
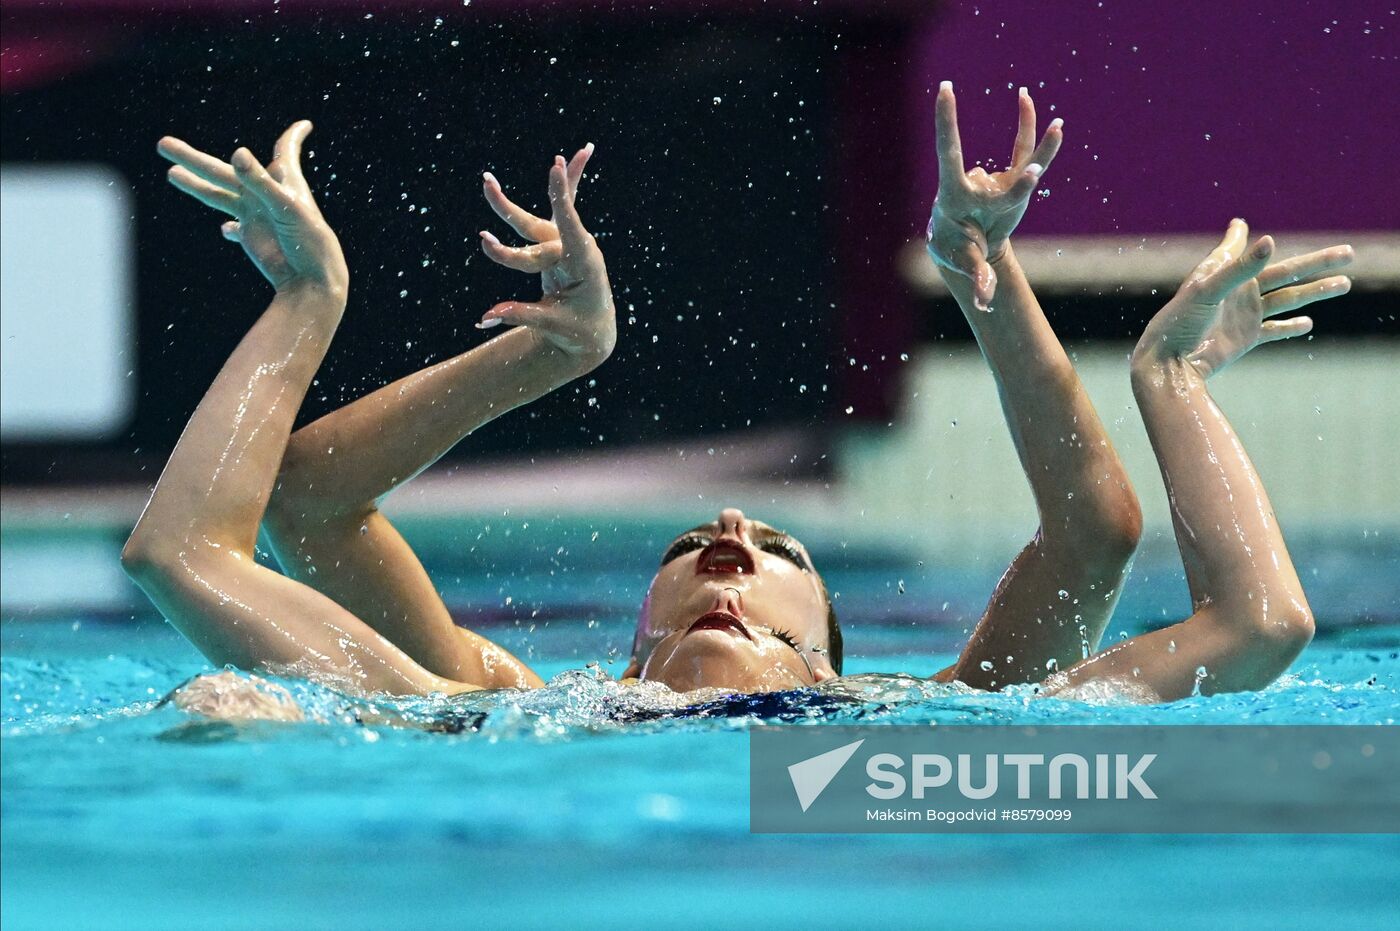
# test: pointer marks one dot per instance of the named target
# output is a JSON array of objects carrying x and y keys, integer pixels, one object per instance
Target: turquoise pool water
[{"x": 120, "y": 815}]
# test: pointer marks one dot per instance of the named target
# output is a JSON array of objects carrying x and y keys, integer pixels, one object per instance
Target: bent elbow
[
  {"x": 140, "y": 558},
  {"x": 1107, "y": 531},
  {"x": 1122, "y": 530},
  {"x": 1275, "y": 634},
  {"x": 1287, "y": 631},
  {"x": 146, "y": 557}
]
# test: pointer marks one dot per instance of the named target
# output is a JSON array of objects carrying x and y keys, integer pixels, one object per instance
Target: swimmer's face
[{"x": 736, "y": 604}]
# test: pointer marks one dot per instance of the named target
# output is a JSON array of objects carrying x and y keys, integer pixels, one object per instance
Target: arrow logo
[{"x": 811, "y": 776}]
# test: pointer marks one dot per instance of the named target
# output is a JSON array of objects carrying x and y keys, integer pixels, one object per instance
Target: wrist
[
  {"x": 573, "y": 360},
  {"x": 1154, "y": 351},
  {"x": 1153, "y": 371}
]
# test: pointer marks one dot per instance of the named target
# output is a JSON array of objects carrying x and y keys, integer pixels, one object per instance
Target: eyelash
[
  {"x": 785, "y": 637},
  {"x": 779, "y": 546},
  {"x": 686, "y": 544}
]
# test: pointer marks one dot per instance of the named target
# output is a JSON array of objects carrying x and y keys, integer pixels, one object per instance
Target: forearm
[
  {"x": 220, "y": 475},
  {"x": 343, "y": 462},
  {"x": 1077, "y": 479},
  {"x": 1250, "y": 618},
  {"x": 1225, "y": 525}
]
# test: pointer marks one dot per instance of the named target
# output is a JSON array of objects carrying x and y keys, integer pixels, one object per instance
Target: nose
[
  {"x": 733, "y": 525},
  {"x": 729, "y": 600}
]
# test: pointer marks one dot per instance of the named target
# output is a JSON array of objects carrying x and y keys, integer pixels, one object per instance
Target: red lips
[
  {"x": 724, "y": 557},
  {"x": 721, "y": 620}
]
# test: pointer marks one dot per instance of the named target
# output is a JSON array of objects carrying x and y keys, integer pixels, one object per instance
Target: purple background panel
[{"x": 1178, "y": 115}]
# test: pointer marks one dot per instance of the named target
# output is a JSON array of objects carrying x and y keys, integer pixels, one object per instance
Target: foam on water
[{"x": 1331, "y": 684}]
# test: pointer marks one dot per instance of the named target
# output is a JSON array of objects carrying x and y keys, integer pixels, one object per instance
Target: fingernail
[
  {"x": 488, "y": 323},
  {"x": 588, "y": 147},
  {"x": 1057, "y": 123},
  {"x": 1034, "y": 169},
  {"x": 490, "y": 237},
  {"x": 1023, "y": 92},
  {"x": 487, "y": 176},
  {"x": 945, "y": 86}
]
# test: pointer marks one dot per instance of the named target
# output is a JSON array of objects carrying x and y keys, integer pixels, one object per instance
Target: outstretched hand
[
  {"x": 575, "y": 312},
  {"x": 975, "y": 212},
  {"x": 275, "y": 217},
  {"x": 1223, "y": 309}
]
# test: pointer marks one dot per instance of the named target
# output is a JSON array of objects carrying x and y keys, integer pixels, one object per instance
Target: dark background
[
  {"x": 750, "y": 241},
  {"x": 710, "y": 214}
]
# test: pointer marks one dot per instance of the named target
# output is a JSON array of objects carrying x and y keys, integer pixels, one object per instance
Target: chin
[{"x": 715, "y": 659}]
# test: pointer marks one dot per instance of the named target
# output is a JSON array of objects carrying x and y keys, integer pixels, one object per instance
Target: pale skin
[
  {"x": 1089, "y": 516},
  {"x": 192, "y": 550},
  {"x": 736, "y": 604},
  {"x": 1251, "y": 617}
]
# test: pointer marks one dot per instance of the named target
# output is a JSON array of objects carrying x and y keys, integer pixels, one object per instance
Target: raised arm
[
  {"x": 324, "y": 522},
  {"x": 1251, "y": 616},
  {"x": 1050, "y": 608},
  {"x": 192, "y": 550},
  {"x": 348, "y": 459}
]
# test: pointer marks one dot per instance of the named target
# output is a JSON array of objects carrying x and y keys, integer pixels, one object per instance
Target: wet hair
[{"x": 834, "y": 646}]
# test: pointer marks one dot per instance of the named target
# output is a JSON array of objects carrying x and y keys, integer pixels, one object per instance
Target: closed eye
[
  {"x": 686, "y": 544},
  {"x": 787, "y": 548},
  {"x": 785, "y": 637}
]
